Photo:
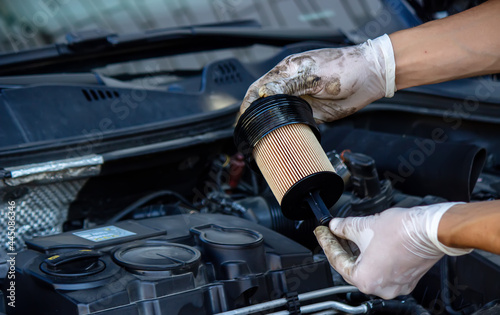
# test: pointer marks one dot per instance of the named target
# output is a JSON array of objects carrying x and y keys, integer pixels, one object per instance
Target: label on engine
[{"x": 103, "y": 234}]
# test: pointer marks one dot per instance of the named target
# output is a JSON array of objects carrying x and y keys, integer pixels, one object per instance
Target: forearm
[
  {"x": 472, "y": 225},
  {"x": 459, "y": 46}
]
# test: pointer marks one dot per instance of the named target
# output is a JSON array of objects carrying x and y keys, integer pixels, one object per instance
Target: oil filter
[{"x": 278, "y": 136}]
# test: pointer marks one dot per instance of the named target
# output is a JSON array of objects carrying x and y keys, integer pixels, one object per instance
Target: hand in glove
[
  {"x": 392, "y": 250},
  {"x": 336, "y": 82}
]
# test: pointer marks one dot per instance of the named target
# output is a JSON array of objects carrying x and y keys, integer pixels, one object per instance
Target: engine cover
[{"x": 182, "y": 264}]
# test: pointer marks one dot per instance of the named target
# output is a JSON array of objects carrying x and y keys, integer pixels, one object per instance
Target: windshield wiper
[{"x": 87, "y": 50}]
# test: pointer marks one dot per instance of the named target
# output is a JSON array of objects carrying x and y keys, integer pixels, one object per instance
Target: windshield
[
  {"x": 32, "y": 23},
  {"x": 35, "y": 23}
]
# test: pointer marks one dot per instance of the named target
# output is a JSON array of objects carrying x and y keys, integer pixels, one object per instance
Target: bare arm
[
  {"x": 473, "y": 225},
  {"x": 462, "y": 45}
]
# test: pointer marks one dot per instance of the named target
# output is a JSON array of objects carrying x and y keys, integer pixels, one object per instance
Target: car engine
[
  {"x": 168, "y": 218},
  {"x": 233, "y": 251}
]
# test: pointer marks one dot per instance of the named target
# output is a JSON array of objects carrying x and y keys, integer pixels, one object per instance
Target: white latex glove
[
  {"x": 394, "y": 248},
  {"x": 336, "y": 82}
]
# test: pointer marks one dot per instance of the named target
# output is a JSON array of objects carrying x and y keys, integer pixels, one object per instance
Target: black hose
[
  {"x": 445, "y": 286},
  {"x": 142, "y": 201},
  {"x": 407, "y": 307},
  {"x": 416, "y": 166},
  {"x": 255, "y": 185}
]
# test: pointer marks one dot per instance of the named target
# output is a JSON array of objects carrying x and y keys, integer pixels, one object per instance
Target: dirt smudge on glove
[
  {"x": 356, "y": 52},
  {"x": 332, "y": 109},
  {"x": 336, "y": 254},
  {"x": 334, "y": 54},
  {"x": 312, "y": 82},
  {"x": 301, "y": 58},
  {"x": 279, "y": 71},
  {"x": 305, "y": 83},
  {"x": 333, "y": 86}
]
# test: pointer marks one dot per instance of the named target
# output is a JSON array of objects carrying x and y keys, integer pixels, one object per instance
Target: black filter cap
[
  {"x": 328, "y": 185},
  {"x": 267, "y": 114}
]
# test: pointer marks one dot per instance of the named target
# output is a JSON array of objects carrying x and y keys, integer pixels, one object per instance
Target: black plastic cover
[
  {"x": 227, "y": 275},
  {"x": 46, "y": 122}
]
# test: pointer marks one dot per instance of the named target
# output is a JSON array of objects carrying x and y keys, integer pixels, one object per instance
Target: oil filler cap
[
  {"x": 215, "y": 235},
  {"x": 78, "y": 263},
  {"x": 234, "y": 252},
  {"x": 158, "y": 256}
]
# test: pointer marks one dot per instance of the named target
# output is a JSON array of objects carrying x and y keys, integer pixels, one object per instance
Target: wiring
[{"x": 142, "y": 201}]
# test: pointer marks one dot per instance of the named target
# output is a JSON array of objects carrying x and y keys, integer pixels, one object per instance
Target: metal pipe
[
  {"x": 361, "y": 309},
  {"x": 322, "y": 306},
  {"x": 326, "y": 292},
  {"x": 280, "y": 302}
]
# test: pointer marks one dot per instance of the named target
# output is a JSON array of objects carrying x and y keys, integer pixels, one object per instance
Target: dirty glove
[
  {"x": 336, "y": 82},
  {"x": 390, "y": 251}
]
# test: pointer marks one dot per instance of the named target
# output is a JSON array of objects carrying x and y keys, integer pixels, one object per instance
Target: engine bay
[
  {"x": 231, "y": 247},
  {"x": 170, "y": 219}
]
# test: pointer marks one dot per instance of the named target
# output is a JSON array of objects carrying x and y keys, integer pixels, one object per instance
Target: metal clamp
[{"x": 292, "y": 303}]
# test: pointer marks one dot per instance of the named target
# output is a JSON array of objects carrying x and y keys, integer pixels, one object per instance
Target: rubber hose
[
  {"x": 416, "y": 166},
  {"x": 407, "y": 307}
]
